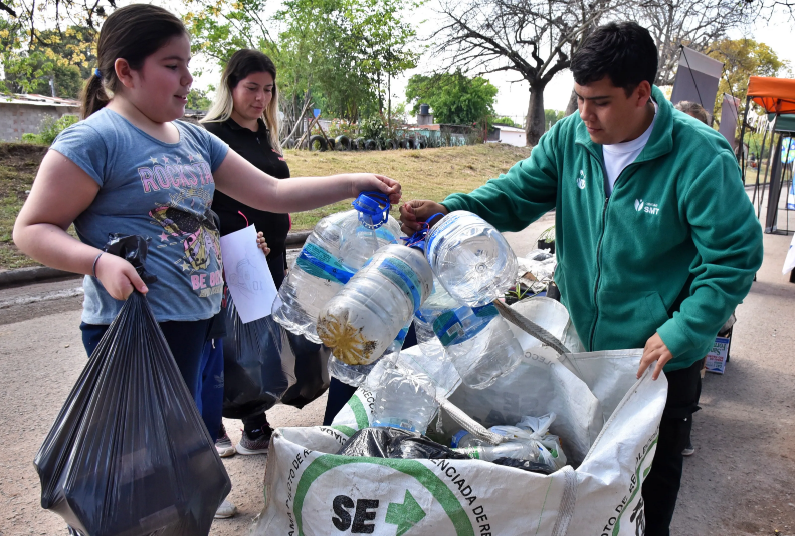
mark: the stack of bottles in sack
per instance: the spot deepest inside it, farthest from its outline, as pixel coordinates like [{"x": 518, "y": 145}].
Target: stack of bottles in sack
[{"x": 366, "y": 317}]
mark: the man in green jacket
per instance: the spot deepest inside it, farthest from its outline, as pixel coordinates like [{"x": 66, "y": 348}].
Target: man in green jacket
[{"x": 657, "y": 241}]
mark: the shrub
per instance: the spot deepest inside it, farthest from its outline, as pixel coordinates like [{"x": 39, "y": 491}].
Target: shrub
[{"x": 49, "y": 129}]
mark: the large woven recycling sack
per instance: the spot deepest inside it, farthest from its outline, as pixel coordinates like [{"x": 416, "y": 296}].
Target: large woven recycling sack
[{"x": 310, "y": 490}]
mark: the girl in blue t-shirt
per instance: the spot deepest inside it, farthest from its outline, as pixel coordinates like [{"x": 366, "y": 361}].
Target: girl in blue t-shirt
[{"x": 130, "y": 168}]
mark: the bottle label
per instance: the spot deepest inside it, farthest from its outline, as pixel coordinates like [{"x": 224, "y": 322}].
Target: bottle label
[
  {"x": 471, "y": 452},
  {"x": 457, "y": 438},
  {"x": 449, "y": 327},
  {"x": 402, "y": 275},
  {"x": 318, "y": 262},
  {"x": 438, "y": 230}
]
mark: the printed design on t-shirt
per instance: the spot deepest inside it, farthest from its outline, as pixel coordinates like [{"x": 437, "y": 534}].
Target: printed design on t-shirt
[
  {"x": 279, "y": 154},
  {"x": 163, "y": 172},
  {"x": 186, "y": 217}
]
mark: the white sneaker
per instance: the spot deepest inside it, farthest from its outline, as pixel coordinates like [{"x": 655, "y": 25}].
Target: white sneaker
[
  {"x": 224, "y": 446},
  {"x": 226, "y": 510}
]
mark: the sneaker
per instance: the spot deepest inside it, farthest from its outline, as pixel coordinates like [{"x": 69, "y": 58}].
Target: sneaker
[
  {"x": 689, "y": 450},
  {"x": 255, "y": 444},
  {"x": 226, "y": 510},
  {"x": 224, "y": 446}
]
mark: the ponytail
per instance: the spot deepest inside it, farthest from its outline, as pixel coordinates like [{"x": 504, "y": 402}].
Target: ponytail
[
  {"x": 134, "y": 33},
  {"x": 93, "y": 96}
]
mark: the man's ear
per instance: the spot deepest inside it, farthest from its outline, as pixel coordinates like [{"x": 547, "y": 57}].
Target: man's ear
[
  {"x": 124, "y": 72},
  {"x": 643, "y": 93}
]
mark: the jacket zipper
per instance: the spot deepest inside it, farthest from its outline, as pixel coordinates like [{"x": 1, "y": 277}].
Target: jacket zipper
[
  {"x": 599, "y": 252},
  {"x": 598, "y": 272}
]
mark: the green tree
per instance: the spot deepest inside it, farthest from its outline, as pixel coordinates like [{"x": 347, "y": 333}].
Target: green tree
[
  {"x": 342, "y": 51},
  {"x": 198, "y": 100},
  {"x": 552, "y": 116},
  {"x": 454, "y": 97},
  {"x": 505, "y": 120},
  {"x": 742, "y": 59}
]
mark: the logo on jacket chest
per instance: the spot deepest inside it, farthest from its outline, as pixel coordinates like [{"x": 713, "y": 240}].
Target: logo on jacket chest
[
  {"x": 581, "y": 180},
  {"x": 646, "y": 207}
]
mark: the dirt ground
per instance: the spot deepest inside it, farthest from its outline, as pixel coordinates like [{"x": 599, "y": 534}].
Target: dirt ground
[{"x": 741, "y": 479}]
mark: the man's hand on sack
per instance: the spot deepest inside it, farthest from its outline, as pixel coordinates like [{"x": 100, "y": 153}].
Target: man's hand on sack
[
  {"x": 416, "y": 211},
  {"x": 655, "y": 350},
  {"x": 261, "y": 244}
]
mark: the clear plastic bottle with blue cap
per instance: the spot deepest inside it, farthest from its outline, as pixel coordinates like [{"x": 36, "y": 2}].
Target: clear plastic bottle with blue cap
[
  {"x": 477, "y": 340},
  {"x": 366, "y": 315},
  {"x": 339, "y": 246}
]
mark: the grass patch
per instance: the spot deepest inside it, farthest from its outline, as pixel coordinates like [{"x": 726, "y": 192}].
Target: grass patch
[
  {"x": 18, "y": 165},
  {"x": 425, "y": 174}
]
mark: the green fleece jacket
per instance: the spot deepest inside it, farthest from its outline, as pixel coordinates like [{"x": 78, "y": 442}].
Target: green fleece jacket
[{"x": 673, "y": 250}]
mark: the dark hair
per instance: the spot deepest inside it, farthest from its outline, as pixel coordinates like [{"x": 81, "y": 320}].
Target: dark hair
[
  {"x": 693, "y": 110},
  {"x": 134, "y": 33},
  {"x": 243, "y": 63},
  {"x": 623, "y": 51}
]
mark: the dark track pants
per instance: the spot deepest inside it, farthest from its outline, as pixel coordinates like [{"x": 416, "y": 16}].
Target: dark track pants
[{"x": 662, "y": 484}]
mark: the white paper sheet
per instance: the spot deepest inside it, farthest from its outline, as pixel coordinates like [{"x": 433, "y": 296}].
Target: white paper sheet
[{"x": 247, "y": 274}]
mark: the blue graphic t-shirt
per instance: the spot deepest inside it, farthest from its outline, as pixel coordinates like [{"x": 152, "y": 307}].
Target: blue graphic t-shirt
[{"x": 158, "y": 190}]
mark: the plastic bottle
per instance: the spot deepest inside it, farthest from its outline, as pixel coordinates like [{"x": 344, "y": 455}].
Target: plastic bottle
[
  {"x": 405, "y": 400},
  {"x": 356, "y": 375},
  {"x": 471, "y": 259},
  {"x": 512, "y": 450},
  {"x": 478, "y": 341},
  {"x": 363, "y": 318},
  {"x": 339, "y": 246}
]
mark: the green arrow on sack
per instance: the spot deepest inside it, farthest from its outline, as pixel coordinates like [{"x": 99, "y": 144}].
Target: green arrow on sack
[{"x": 405, "y": 514}]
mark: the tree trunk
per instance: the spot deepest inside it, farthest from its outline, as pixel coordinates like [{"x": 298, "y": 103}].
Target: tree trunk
[
  {"x": 535, "y": 114},
  {"x": 572, "y": 106}
]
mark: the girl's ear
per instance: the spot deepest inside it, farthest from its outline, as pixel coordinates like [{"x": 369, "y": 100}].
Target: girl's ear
[{"x": 124, "y": 72}]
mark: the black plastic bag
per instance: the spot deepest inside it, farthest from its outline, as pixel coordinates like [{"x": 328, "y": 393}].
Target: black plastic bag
[
  {"x": 528, "y": 466},
  {"x": 259, "y": 364},
  {"x": 311, "y": 371},
  {"x": 129, "y": 453},
  {"x": 393, "y": 443}
]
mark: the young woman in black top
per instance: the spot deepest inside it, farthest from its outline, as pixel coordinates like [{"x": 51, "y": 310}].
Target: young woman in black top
[{"x": 244, "y": 115}]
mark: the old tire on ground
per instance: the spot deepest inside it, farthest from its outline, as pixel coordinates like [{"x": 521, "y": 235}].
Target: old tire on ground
[
  {"x": 411, "y": 143},
  {"x": 289, "y": 143},
  {"x": 371, "y": 145},
  {"x": 359, "y": 144},
  {"x": 391, "y": 144},
  {"x": 342, "y": 143},
  {"x": 421, "y": 143},
  {"x": 321, "y": 142}
]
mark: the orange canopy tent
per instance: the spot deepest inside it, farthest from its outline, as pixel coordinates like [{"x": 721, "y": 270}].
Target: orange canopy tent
[{"x": 775, "y": 95}]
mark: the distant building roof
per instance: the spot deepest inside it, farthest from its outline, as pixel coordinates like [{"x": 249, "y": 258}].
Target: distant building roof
[
  {"x": 505, "y": 128},
  {"x": 37, "y": 100}
]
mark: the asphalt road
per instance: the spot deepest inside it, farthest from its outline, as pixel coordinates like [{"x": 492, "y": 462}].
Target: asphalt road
[{"x": 741, "y": 479}]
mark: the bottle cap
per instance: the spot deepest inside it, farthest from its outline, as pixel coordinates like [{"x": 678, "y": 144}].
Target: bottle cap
[{"x": 373, "y": 208}]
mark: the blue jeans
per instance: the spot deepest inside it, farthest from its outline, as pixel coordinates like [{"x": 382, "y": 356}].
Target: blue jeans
[{"x": 211, "y": 398}]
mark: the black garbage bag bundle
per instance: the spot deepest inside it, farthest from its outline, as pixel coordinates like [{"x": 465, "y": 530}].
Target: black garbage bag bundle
[
  {"x": 259, "y": 364},
  {"x": 393, "y": 443},
  {"x": 128, "y": 453},
  {"x": 311, "y": 371}
]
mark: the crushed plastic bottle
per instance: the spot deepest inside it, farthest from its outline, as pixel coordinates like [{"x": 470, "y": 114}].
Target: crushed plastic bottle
[
  {"x": 367, "y": 314},
  {"x": 478, "y": 341},
  {"x": 356, "y": 375},
  {"x": 512, "y": 450},
  {"x": 339, "y": 246},
  {"x": 471, "y": 259},
  {"x": 405, "y": 400}
]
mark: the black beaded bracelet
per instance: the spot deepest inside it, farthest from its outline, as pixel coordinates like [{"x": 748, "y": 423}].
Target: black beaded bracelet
[{"x": 94, "y": 265}]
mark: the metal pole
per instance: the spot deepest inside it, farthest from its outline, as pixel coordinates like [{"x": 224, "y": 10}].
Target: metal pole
[
  {"x": 759, "y": 165},
  {"x": 741, "y": 156}
]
